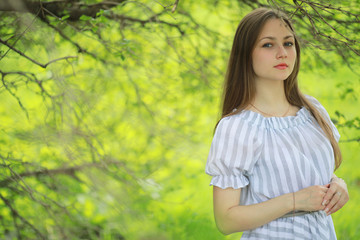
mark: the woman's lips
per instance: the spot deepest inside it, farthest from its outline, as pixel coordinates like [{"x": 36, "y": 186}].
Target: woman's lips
[{"x": 281, "y": 66}]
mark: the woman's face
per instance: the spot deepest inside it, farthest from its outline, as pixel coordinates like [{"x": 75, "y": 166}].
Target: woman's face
[{"x": 274, "y": 53}]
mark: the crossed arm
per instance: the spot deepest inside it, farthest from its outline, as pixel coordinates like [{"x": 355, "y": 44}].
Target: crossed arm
[{"x": 231, "y": 217}]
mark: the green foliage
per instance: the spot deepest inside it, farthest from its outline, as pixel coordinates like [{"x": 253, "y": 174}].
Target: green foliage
[{"x": 112, "y": 143}]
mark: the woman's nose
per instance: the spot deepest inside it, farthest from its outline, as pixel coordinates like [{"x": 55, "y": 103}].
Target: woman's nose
[{"x": 281, "y": 53}]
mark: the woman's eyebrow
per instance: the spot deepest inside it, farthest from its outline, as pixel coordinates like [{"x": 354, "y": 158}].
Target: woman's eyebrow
[{"x": 274, "y": 38}]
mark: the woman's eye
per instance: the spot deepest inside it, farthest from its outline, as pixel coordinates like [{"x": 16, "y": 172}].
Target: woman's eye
[
  {"x": 288, "y": 44},
  {"x": 267, "y": 45}
]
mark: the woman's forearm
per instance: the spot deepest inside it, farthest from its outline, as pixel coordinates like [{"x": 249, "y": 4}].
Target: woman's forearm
[{"x": 241, "y": 218}]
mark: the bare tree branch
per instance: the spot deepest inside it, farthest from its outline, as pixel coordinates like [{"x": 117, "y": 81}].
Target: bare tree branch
[
  {"x": 30, "y": 77},
  {"x": 16, "y": 213},
  {"x": 74, "y": 10},
  {"x": 175, "y": 6},
  {"x": 31, "y": 59},
  {"x": 153, "y": 19},
  {"x": 27, "y": 28},
  {"x": 14, "y": 95},
  {"x": 70, "y": 171},
  {"x": 351, "y": 140}
]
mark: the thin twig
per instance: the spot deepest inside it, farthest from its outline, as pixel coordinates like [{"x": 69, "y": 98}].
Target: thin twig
[
  {"x": 31, "y": 59},
  {"x": 14, "y": 95},
  {"x": 65, "y": 171},
  {"x": 330, "y": 24},
  {"x": 27, "y": 28},
  {"x": 175, "y": 6},
  {"x": 16, "y": 213},
  {"x": 31, "y": 78},
  {"x": 351, "y": 140}
]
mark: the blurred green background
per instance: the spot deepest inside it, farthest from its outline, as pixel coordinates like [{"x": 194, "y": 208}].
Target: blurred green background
[{"x": 107, "y": 116}]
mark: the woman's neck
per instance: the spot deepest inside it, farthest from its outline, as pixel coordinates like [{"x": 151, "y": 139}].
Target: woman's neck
[{"x": 270, "y": 97}]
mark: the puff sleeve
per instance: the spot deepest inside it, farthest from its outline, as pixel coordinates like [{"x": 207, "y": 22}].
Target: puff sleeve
[
  {"x": 325, "y": 114},
  {"x": 232, "y": 155}
]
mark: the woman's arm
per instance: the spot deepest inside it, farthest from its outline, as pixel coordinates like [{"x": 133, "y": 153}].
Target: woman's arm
[
  {"x": 231, "y": 217},
  {"x": 337, "y": 195}
]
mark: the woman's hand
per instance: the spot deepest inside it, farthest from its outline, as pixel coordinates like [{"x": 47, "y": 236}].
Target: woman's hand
[
  {"x": 336, "y": 196},
  {"x": 310, "y": 198}
]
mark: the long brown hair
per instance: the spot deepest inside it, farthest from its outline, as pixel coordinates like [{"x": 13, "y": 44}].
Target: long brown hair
[{"x": 239, "y": 84}]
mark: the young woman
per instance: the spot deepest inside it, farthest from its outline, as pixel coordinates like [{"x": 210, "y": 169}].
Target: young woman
[{"x": 274, "y": 150}]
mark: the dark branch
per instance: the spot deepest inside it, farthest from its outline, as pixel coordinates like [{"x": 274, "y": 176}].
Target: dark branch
[
  {"x": 31, "y": 59},
  {"x": 16, "y": 213},
  {"x": 351, "y": 140},
  {"x": 70, "y": 171},
  {"x": 13, "y": 94},
  {"x": 27, "y": 75},
  {"x": 153, "y": 19},
  {"x": 175, "y": 6},
  {"x": 74, "y": 10}
]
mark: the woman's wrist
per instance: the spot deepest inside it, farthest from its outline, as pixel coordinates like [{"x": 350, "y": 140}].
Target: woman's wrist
[
  {"x": 335, "y": 178},
  {"x": 291, "y": 206}
]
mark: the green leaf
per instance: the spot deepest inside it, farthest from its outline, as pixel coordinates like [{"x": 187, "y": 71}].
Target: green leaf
[
  {"x": 85, "y": 18},
  {"x": 65, "y": 17}
]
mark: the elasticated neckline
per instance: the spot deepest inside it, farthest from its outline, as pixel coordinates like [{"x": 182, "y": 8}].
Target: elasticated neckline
[{"x": 302, "y": 116}]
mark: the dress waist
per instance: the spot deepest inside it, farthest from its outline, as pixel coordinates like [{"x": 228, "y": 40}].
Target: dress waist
[{"x": 300, "y": 213}]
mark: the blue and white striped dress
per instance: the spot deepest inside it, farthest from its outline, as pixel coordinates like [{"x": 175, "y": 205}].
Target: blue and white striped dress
[{"x": 269, "y": 157}]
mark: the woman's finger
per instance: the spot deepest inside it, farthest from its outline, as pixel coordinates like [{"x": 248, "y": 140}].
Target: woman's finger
[
  {"x": 329, "y": 194},
  {"x": 336, "y": 207},
  {"x": 333, "y": 205}
]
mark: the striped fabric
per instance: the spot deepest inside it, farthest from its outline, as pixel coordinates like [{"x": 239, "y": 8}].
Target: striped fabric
[{"x": 269, "y": 157}]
